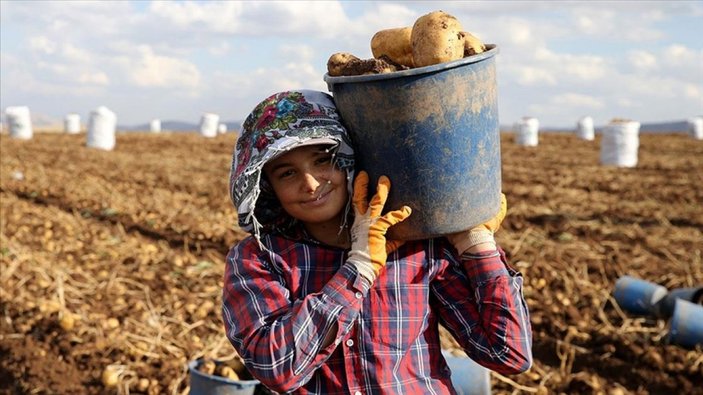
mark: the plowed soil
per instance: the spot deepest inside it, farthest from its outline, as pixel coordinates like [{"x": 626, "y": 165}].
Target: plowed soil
[{"x": 114, "y": 260}]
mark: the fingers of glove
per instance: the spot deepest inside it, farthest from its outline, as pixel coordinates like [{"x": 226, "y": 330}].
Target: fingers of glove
[
  {"x": 503, "y": 209},
  {"x": 361, "y": 191},
  {"x": 379, "y": 199},
  {"x": 381, "y": 225},
  {"x": 392, "y": 245},
  {"x": 393, "y": 217},
  {"x": 494, "y": 224}
]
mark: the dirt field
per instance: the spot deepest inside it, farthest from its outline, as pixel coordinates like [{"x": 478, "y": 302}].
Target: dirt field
[{"x": 115, "y": 259}]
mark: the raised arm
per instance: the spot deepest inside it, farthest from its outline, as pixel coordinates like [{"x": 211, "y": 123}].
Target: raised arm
[{"x": 481, "y": 296}]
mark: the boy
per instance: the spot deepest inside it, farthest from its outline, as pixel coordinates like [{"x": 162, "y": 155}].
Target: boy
[{"x": 315, "y": 306}]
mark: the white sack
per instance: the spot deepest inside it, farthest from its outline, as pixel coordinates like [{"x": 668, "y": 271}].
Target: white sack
[
  {"x": 620, "y": 144},
  {"x": 222, "y": 128},
  {"x": 101, "y": 129},
  {"x": 155, "y": 126},
  {"x": 527, "y": 132},
  {"x": 695, "y": 128},
  {"x": 72, "y": 123},
  {"x": 584, "y": 129},
  {"x": 208, "y": 124},
  {"x": 19, "y": 122}
]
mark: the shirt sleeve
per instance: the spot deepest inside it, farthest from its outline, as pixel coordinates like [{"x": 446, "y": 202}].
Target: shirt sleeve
[
  {"x": 280, "y": 340},
  {"x": 483, "y": 307}
]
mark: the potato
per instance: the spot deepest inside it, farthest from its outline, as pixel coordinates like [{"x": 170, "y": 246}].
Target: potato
[
  {"x": 110, "y": 376},
  {"x": 344, "y": 64},
  {"x": 394, "y": 43},
  {"x": 472, "y": 45},
  {"x": 337, "y": 63},
  {"x": 227, "y": 372},
  {"x": 208, "y": 367},
  {"x": 436, "y": 38}
]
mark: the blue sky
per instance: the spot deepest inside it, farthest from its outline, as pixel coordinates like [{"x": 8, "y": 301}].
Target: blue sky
[{"x": 558, "y": 60}]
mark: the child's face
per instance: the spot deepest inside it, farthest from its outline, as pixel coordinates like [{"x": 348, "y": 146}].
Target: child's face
[{"x": 309, "y": 187}]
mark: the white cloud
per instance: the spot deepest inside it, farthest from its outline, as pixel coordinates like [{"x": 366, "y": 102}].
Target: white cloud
[
  {"x": 677, "y": 54},
  {"x": 298, "y": 51},
  {"x": 541, "y": 67},
  {"x": 94, "y": 78},
  {"x": 148, "y": 69},
  {"x": 75, "y": 54},
  {"x": 585, "y": 67},
  {"x": 624, "y": 55},
  {"x": 384, "y": 16},
  {"x": 694, "y": 92},
  {"x": 214, "y": 16},
  {"x": 535, "y": 76},
  {"x": 254, "y": 18},
  {"x": 626, "y": 102},
  {"x": 578, "y": 100},
  {"x": 520, "y": 33},
  {"x": 642, "y": 60},
  {"x": 42, "y": 44},
  {"x": 220, "y": 49},
  {"x": 611, "y": 23},
  {"x": 588, "y": 24}
]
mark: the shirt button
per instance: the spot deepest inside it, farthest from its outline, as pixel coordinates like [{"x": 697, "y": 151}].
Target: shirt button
[
  {"x": 358, "y": 295},
  {"x": 349, "y": 342},
  {"x": 357, "y": 393}
]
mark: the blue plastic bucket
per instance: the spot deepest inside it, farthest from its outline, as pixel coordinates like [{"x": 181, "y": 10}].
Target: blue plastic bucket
[
  {"x": 468, "y": 377},
  {"x": 638, "y": 296},
  {"x": 686, "y": 326},
  {"x": 434, "y": 131},
  {"x": 205, "y": 384},
  {"x": 691, "y": 294}
]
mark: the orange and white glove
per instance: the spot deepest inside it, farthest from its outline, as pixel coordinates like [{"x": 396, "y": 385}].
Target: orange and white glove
[
  {"x": 481, "y": 237},
  {"x": 369, "y": 249}
]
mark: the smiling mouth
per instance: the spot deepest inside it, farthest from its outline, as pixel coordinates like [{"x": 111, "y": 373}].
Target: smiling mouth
[
  {"x": 319, "y": 197},
  {"x": 323, "y": 190}
]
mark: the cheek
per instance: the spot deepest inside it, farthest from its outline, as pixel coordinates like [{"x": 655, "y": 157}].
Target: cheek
[
  {"x": 339, "y": 177},
  {"x": 283, "y": 192}
]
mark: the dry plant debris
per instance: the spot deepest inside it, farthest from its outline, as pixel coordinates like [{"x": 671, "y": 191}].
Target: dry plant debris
[{"x": 112, "y": 262}]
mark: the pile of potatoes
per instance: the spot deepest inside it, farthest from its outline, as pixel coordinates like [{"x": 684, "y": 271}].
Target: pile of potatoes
[{"x": 435, "y": 38}]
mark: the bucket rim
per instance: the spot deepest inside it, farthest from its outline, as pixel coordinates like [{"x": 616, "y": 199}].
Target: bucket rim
[
  {"x": 193, "y": 368},
  {"x": 491, "y": 50}
]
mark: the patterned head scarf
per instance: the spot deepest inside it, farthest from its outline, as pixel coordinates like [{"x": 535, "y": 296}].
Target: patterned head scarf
[{"x": 280, "y": 123}]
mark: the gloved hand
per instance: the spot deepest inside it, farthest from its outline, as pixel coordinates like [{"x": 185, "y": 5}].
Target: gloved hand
[
  {"x": 370, "y": 248},
  {"x": 481, "y": 236}
]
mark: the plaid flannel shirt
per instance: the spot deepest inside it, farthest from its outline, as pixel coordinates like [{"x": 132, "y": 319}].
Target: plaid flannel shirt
[{"x": 279, "y": 305}]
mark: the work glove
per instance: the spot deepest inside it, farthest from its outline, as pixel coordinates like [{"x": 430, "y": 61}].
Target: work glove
[
  {"x": 370, "y": 248},
  {"x": 482, "y": 234}
]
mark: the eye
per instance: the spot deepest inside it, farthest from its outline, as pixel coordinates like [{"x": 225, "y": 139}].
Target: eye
[
  {"x": 285, "y": 174},
  {"x": 324, "y": 160}
]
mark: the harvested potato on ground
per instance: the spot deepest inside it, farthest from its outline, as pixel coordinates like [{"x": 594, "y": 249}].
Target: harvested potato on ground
[
  {"x": 394, "y": 43},
  {"x": 337, "y": 62},
  {"x": 110, "y": 376},
  {"x": 472, "y": 45},
  {"x": 436, "y": 38}
]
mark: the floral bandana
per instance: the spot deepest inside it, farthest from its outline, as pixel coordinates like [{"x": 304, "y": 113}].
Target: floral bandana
[{"x": 280, "y": 123}]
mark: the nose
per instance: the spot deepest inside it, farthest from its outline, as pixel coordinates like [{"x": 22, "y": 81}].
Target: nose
[{"x": 310, "y": 183}]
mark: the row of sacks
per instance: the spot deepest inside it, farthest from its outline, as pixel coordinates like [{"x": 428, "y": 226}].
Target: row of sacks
[
  {"x": 101, "y": 127},
  {"x": 620, "y": 143},
  {"x": 527, "y": 129}
]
